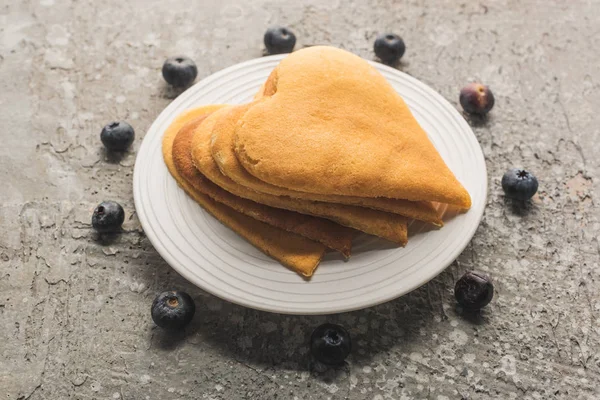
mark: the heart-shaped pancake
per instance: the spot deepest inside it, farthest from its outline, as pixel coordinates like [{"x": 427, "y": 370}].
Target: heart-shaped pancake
[
  {"x": 224, "y": 155},
  {"x": 329, "y": 123}
]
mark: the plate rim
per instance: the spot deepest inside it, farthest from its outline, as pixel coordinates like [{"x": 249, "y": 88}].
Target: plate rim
[{"x": 156, "y": 241}]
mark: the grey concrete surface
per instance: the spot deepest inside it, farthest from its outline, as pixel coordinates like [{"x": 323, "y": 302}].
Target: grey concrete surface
[{"x": 74, "y": 313}]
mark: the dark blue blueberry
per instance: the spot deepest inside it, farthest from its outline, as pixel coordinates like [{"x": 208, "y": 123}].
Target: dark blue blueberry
[
  {"x": 279, "y": 39},
  {"x": 519, "y": 184},
  {"x": 173, "y": 309},
  {"x": 117, "y": 136},
  {"x": 389, "y": 47},
  {"x": 474, "y": 290},
  {"x": 179, "y": 71},
  {"x": 108, "y": 217},
  {"x": 330, "y": 344},
  {"x": 476, "y": 98}
]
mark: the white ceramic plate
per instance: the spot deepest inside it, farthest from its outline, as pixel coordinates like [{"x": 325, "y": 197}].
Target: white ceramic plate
[{"x": 217, "y": 260}]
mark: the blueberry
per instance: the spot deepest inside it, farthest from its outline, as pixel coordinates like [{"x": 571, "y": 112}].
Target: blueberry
[
  {"x": 279, "y": 39},
  {"x": 179, "y": 71},
  {"x": 117, "y": 136},
  {"x": 476, "y": 98},
  {"x": 330, "y": 344},
  {"x": 474, "y": 290},
  {"x": 173, "y": 309},
  {"x": 108, "y": 217},
  {"x": 519, "y": 184},
  {"x": 389, "y": 47}
]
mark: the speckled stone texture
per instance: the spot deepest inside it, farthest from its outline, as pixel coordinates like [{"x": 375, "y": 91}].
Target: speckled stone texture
[{"x": 75, "y": 313}]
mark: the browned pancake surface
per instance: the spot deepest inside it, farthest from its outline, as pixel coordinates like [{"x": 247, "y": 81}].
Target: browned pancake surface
[{"x": 333, "y": 125}]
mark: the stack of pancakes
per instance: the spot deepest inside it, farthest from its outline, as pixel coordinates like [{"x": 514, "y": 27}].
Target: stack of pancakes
[{"x": 326, "y": 149}]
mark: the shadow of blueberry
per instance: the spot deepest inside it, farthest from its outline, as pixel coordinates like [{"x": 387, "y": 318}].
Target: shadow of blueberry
[
  {"x": 113, "y": 157},
  {"x": 170, "y": 339},
  {"x": 107, "y": 238},
  {"x": 399, "y": 65},
  {"x": 328, "y": 373},
  {"x": 518, "y": 207},
  {"x": 477, "y": 120},
  {"x": 166, "y": 340},
  {"x": 475, "y": 317},
  {"x": 171, "y": 92}
]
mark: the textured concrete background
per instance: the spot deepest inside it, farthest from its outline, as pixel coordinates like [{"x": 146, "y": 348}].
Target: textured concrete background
[{"x": 74, "y": 313}]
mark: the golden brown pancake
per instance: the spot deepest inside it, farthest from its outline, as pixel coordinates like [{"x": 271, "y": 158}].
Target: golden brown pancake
[
  {"x": 327, "y": 232},
  {"x": 392, "y": 227},
  {"x": 224, "y": 155},
  {"x": 333, "y": 125},
  {"x": 294, "y": 251}
]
